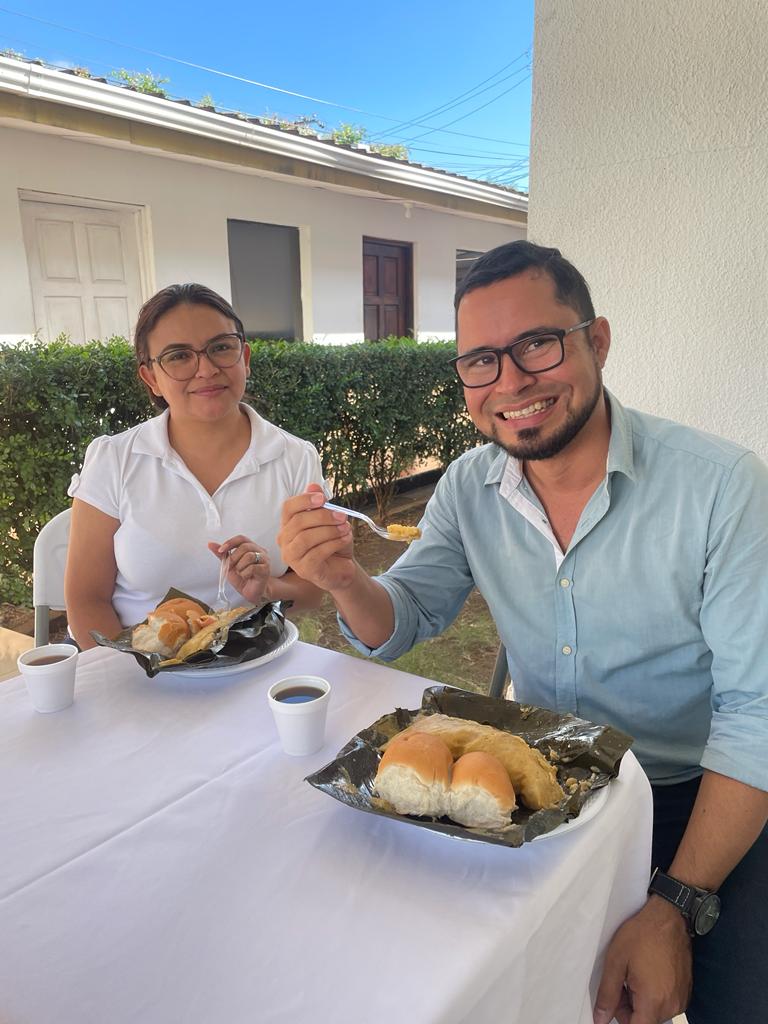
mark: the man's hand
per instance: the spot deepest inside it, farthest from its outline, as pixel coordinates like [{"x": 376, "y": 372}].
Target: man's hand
[
  {"x": 317, "y": 543},
  {"x": 647, "y": 973}
]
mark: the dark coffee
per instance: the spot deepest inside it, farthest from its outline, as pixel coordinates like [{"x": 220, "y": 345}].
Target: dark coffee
[
  {"x": 49, "y": 659},
  {"x": 299, "y": 694}
]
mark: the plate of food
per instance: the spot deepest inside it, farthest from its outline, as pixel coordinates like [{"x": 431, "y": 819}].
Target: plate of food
[
  {"x": 215, "y": 670},
  {"x": 478, "y": 768},
  {"x": 187, "y": 638}
]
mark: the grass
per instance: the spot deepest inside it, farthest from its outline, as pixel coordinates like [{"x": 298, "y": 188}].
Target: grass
[{"x": 464, "y": 655}]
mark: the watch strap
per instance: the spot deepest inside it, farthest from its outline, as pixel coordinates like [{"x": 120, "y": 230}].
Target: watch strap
[{"x": 675, "y": 892}]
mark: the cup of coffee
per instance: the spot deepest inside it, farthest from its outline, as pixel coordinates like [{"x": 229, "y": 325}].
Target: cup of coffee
[
  {"x": 49, "y": 674},
  {"x": 299, "y": 705}
]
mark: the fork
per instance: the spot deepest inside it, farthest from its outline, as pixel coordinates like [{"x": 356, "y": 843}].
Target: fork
[
  {"x": 366, "y": 519},
  {"x": 222, "y": 604}
]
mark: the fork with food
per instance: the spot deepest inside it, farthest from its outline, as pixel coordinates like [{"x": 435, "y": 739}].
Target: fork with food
[{"x": 395, "y": 531}]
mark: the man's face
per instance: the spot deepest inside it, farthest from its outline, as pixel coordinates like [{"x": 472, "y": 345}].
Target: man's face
[{"x": 532, "y": 416}]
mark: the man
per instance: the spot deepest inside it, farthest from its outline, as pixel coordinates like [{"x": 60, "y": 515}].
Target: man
[{"x": 624, "y": 560}]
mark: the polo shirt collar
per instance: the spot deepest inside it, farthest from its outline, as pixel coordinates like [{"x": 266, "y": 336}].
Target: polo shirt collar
[
  {"x": 267, "y": 440},
  {"x": 620, "y": 451}
]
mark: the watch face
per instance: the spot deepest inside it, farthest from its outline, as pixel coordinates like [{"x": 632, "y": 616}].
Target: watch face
[{"x": 707, "y": 914}]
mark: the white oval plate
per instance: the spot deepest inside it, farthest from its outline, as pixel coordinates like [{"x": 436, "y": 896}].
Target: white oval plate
[
  {"x": 590, "y": 808},
  {"x": 592, "y": 805},
  {"x": 200, "y": 675}
]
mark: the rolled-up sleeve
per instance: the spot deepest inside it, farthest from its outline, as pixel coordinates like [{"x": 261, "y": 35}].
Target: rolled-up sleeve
[
  {"x": 429, "y": 583},
  {"x": 734, "y": 622}
]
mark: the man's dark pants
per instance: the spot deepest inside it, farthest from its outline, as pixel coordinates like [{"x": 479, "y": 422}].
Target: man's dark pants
[{"x": 730, "y": 965}]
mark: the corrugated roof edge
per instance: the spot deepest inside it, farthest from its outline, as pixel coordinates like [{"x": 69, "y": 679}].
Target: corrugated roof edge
[{"x": 263, "y": 123}]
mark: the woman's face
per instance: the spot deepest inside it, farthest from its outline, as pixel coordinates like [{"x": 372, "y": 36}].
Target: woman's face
[{"x": 212, "y": 392}]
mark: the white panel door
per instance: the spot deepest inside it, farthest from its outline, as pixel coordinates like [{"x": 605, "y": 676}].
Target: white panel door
[{"x": 84, "y": 269}]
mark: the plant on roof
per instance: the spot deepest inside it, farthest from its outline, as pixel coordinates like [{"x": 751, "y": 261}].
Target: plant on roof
[
  {"x": 305, "y": 124},
  {"x": 142, "y": 81},
  {"x": 395, "y": 149},
  {"x": 206, "y": 102},
  {"x": 353, "y": 135},
  {"x": 348, "y": 134}
]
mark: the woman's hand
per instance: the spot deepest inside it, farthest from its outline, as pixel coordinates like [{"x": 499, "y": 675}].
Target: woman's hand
[{"x": 249, "y": 569}]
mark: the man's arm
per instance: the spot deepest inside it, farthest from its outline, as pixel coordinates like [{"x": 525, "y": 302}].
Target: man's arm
[{"x": 651, "y": 952}]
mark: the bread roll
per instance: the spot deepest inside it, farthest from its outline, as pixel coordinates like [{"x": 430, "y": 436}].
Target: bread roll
[
  {"x": 182, "y": 606},
  {"x": 531, "y": 775},
  {"x": 481, "y": 795},
  {"x": 414, "y": 775},
  {"x": 161, "y": 634}
]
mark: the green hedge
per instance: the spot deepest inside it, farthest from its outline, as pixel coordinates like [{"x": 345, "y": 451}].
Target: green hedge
[{"x": 372, "y": 410}]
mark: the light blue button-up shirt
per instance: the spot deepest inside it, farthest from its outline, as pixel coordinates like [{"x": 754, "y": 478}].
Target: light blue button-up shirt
[{"x": 654, "y": 620}]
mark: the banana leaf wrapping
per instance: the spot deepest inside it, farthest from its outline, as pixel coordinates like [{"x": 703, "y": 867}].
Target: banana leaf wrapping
[
  {"x": 255, "y": 632},
  {"x": 580, "y": 750}
]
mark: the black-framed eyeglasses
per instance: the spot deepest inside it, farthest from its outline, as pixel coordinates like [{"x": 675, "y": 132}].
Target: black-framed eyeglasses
[
  {"x": 182, "y": 362},
  {"x": 534, "y": 354}
]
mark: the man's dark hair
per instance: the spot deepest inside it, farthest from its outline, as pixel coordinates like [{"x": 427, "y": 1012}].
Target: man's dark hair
[
  {"x": 163, "y": 302},
  {"x": 514, "y": 258}
]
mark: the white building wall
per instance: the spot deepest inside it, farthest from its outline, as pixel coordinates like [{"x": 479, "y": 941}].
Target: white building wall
[
  {"x": 649, "y": 168},
  {"x": 187, "y": 206}
]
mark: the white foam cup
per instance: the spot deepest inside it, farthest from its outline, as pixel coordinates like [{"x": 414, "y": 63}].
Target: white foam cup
[
  {"x": 51, "y": 686},
  {"x": 300, "y": 725}
]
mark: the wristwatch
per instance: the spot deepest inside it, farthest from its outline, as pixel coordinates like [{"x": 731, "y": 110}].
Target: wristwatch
[{"x": 699, "y": 907}]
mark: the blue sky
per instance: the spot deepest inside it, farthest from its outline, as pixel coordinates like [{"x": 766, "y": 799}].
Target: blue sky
[{"x": 395, "y": 64}]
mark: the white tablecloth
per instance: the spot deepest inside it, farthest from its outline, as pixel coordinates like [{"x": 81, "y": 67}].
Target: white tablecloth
[{"x": 162, "y": 861}]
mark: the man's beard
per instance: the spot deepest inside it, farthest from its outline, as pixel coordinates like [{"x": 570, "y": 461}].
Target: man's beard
[{"x": 530, "y": 446}]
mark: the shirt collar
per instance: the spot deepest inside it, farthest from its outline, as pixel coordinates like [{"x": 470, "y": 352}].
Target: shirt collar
[
  {"x": 267, "y": 440},
  {"x": 621, "y": 457}
]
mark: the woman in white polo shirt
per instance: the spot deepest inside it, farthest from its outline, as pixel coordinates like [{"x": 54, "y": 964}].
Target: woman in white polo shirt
[{"x": 207, "y": 473}]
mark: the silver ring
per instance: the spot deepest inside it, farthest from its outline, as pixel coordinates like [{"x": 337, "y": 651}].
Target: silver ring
[{"x": 258, "y": 557}]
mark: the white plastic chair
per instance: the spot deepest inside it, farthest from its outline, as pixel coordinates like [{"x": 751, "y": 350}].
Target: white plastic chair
[{"x": 49, "y": 560}]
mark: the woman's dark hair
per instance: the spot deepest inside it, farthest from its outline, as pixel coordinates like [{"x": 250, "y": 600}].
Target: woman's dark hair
[
  {"x": 514, "y": 258},
  {"x": 164, "y": 301}
]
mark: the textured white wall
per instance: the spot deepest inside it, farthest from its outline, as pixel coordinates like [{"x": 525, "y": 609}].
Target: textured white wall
[
  {"x": 188, "y": 206},
  {"x": 649, "y": 170}
]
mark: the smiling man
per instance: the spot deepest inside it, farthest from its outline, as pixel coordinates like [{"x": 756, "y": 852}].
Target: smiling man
[{"x": 623, "y": 558}]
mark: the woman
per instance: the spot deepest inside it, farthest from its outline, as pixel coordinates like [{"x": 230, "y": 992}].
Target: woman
[{"x": 208, "y": 471}]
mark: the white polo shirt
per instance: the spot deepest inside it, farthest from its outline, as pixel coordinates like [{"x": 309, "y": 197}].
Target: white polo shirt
[{"x": 167, "y": 517}]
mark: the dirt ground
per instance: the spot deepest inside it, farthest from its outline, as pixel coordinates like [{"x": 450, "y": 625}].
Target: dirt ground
[{"x": 465, "y": 655}]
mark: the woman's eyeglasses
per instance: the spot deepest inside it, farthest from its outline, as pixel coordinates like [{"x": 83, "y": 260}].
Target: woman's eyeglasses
[{"x": 182, "y": 363}]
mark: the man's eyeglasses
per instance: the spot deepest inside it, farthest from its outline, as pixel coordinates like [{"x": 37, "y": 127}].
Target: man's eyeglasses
[
  {"x": 182, "y": 363},
  {"x": 534, "y": 354}
]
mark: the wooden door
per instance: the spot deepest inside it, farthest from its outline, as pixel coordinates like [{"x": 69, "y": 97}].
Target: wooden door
[
  {"x": 83, "y": 268},
  {"x": 387, "y": 289}
]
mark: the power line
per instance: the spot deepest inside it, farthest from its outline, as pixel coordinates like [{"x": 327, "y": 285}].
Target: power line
[
  {"x": 471, "y": 112},
  {"x": 229, "y": 75},
  {"x": 456, "y": 99},
  {"x": 482, "y": 154}
]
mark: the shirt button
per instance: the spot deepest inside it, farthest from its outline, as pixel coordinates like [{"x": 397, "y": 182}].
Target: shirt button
[
  {"x": 565, "y": 583},
  {"x": 567, "y": 649}
]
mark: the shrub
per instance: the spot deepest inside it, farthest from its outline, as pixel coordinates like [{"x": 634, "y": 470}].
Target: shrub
[
  {"x": 53, "y": 400},
  {"x": 372, "y": 410}
]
